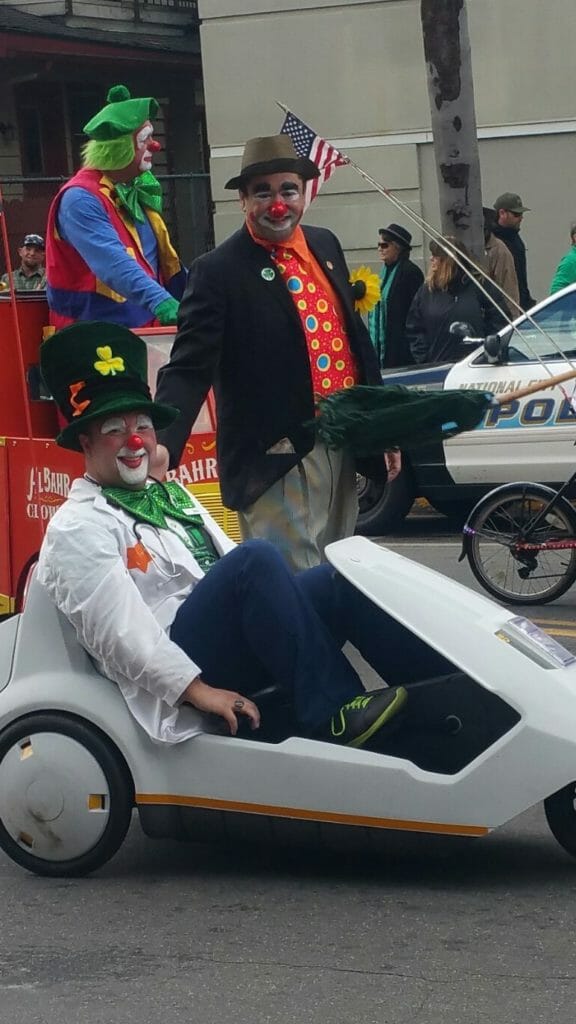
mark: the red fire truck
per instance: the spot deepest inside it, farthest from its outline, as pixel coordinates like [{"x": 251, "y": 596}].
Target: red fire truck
[{"x": 35, "y": 474}]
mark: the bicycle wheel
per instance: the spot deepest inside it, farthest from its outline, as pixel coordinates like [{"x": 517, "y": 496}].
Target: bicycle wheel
[{"x": 508, "y": 572}]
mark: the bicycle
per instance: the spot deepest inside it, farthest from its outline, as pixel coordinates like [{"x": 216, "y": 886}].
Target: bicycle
[{"x": 520, "y": 542}]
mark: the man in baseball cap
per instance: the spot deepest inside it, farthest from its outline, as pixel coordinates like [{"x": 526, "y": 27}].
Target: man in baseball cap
[
  {"x": 30, "y": 276},
  {"x": 511, "y": 202},
  {"x": 509, "y": 213}
]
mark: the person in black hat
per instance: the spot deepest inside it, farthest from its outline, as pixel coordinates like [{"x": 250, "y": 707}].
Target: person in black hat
[
  {"x": 30, "y": 276},
  {"x": 400, "y": 279},
  {"x": 167, "y": 605},
  {"x": 268, "y": 318}
]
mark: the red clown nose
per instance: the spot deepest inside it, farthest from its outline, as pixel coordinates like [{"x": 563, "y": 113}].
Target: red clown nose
[
  {"x": 135, "y": 442},
  {"x": 278, "y": 210},
  {"x": 153, "y": 146}
]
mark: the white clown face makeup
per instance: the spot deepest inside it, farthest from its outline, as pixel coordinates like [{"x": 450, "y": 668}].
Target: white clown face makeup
[
  {"x": 118, "y": 450},
  {"x": 145, "y": 145},
  {"x": 274, "y": 205}
]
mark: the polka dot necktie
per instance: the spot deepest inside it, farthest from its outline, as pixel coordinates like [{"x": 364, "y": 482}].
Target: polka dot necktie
[{"x": 331, "y": 360}]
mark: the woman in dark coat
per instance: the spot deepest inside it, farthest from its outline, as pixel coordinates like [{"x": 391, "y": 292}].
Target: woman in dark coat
[
  {"x": 400, "y": 279},
  {"x": 448, "y": 295}
]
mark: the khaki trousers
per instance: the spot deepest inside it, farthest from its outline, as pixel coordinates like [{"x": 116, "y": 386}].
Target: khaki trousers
[{"x": 314, "y": 504}]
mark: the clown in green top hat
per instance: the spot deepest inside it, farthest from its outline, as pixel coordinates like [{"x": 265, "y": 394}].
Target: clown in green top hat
[
  {"x": 94, "y": 370},
  {"x": 108, "y": 252}
]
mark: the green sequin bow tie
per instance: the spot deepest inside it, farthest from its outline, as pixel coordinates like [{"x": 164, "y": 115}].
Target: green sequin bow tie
[
  {"x": 157, "y": 502},
  {"x": 145, "y": 190}
]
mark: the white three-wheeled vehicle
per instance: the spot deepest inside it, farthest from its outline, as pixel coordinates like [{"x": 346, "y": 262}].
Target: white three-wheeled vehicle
[{"x": 501, "y": 736}]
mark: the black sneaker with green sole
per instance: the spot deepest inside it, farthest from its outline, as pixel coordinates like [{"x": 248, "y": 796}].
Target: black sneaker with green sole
[{"x": 361, "y": 718}]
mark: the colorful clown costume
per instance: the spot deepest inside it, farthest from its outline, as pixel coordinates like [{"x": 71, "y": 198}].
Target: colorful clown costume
[{"x": 108, "y": 254}]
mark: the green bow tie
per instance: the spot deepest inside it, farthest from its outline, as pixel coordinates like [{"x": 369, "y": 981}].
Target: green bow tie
[
  {"x": 157, "y": 502},
  {"x": 145, "y": 190}
]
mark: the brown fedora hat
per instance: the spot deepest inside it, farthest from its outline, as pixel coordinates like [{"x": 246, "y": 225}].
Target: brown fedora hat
[{"x": 270, "y": 154}]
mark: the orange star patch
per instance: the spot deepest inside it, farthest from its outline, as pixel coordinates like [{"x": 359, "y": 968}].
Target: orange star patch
[{"x": 138, "y": 557}]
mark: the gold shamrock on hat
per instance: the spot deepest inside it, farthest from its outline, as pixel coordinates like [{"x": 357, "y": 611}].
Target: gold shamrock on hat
[{"x": 107, "y": 363}]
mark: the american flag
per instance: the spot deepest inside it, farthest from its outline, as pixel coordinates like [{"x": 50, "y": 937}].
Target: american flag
[{"x": 307, "y": 143}]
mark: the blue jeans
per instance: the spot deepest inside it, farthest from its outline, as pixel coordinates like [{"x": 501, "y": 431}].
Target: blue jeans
[{"x": 250, "y": 623}]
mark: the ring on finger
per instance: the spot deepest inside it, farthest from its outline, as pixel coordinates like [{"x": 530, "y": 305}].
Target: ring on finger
[{"x": 239, "y": 704}]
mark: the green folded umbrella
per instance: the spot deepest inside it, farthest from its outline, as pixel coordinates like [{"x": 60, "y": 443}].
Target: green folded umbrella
[{"x": 369, "y": 420}]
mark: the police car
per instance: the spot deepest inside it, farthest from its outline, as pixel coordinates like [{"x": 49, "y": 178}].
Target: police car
[{"x": 527, "y": 439}]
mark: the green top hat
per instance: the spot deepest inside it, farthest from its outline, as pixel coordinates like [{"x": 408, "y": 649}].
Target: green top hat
[
  {"x": 95, "y": 369},
  {"x": 121, "y": 116}
]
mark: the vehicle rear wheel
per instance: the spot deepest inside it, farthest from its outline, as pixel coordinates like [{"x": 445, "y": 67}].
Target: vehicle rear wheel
[
  {"x": 560, "y": 810},
  {"x": 66, "y": 795},
  {"x": 382, "y": 505},
  {"x": 495, "y": 527}
]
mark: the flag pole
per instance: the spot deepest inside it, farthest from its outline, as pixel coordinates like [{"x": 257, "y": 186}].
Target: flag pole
[
  {"x": 531, "y": 389},
  {"x": 457, "y": 256},
  {"x": 430, "y": 231}
]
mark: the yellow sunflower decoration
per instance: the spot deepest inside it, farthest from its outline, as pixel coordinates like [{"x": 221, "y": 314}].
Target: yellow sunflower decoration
[{"x": 366, "y": 287}]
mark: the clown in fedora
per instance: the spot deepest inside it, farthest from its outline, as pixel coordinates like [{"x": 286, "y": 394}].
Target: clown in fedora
[
  {"x": 268, "y": 318},
  {"x": 108, "y": 252}
]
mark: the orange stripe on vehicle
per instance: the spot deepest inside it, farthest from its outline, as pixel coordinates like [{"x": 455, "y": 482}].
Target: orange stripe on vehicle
[{"x": 208, "y": 803}]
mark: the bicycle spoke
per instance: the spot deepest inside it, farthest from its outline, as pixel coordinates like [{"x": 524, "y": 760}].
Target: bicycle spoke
[{"x": 506, "y": 552}]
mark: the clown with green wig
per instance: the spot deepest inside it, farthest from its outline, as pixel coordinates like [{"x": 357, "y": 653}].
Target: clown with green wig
[{"x": 108, "y": 252}]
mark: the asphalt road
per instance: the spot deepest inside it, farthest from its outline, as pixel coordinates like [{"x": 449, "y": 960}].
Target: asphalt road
[{"x": 430, "y": 931}]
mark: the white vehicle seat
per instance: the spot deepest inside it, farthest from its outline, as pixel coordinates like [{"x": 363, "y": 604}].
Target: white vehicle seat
[{"x": 47, "y": 640}]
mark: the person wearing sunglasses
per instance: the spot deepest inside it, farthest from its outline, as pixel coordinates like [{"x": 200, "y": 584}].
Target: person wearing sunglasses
[{"x": 400, "y": 279}]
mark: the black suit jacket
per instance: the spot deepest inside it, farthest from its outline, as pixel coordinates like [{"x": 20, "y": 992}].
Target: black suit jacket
[
  {"x": 407, "y": 280},
  {"x": 240, "y": 331}
]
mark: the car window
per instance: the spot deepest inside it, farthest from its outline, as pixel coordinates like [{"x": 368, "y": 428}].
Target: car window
[{"x": 558, "y": 320}]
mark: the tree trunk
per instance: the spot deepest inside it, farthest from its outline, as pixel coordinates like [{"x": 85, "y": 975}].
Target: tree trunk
[{"x": 451, "y": 93}]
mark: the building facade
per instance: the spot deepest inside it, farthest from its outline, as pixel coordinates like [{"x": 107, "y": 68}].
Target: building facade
[
  {"x": 354, "y": 70},
  {"x": 58, "y": 61}
]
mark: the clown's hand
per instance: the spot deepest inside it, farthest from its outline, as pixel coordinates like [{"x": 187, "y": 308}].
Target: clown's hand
[
  {"x": 167, "y": 312},
  {"x": 393, "y": 462}
]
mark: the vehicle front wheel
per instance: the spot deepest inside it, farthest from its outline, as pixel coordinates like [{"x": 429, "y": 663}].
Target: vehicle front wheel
[
  {"x": 383, "y": 506},
  {"x": 560, "y": 809},
  {"x": 66, "y": 795}
]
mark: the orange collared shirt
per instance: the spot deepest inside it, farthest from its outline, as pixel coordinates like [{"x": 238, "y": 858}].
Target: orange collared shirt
[{"x": 298, "y": 243}]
